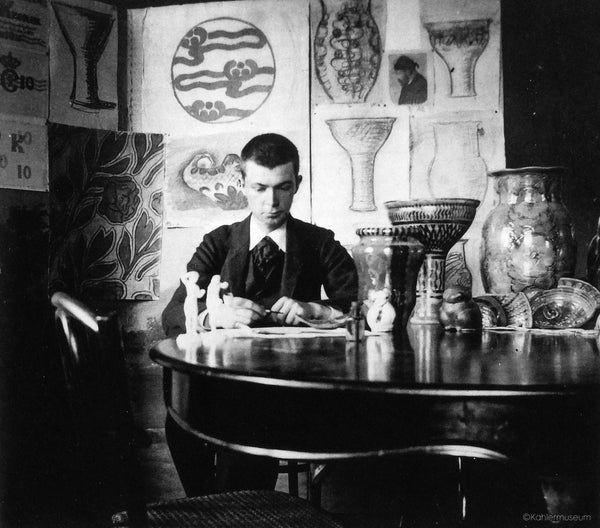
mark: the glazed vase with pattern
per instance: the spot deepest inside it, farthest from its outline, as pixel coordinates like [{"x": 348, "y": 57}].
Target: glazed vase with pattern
[
  {"x": 457, "y": 169},
  {"x": 362, "y": 138},
  {"x": 457, "y": 273},
  {"x": 593, "y": 259},
  {"x": 438, "y": 225},
  {"x": 388, "y": 262},
  {"x": 460, "y": 44},
  {"x": 527, "y": 240},
  {"x": 347, "y": 50}
]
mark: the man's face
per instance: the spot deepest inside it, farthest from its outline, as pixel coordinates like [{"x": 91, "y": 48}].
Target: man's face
[
  {"x": 402, "y": 76},
  {"x": 270, "y": 192}
]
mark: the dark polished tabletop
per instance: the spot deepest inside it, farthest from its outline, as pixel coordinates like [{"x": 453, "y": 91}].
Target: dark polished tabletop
[
  {"x": 497, "y": 394},
  {"x": 424, "y": 359}
]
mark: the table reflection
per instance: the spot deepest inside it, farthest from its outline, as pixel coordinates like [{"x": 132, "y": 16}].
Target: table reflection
[{"x": 422, "y": 355}]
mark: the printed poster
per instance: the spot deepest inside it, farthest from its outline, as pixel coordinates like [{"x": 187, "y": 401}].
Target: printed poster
[
  {"x": 106, "y": 213},
  {"x": 23, "y": 156}
]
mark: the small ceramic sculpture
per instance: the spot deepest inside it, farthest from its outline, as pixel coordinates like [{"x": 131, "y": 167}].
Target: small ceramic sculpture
[
  {"x": 190, "y": 305},
  {"x": 381, "y": 313},
  {"x": 459, "y": 311}
]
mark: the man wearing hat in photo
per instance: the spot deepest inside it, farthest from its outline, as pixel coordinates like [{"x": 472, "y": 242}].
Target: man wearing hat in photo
[{"x": 414, "y": 85}]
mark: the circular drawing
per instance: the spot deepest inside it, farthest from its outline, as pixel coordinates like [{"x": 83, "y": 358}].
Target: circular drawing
[{"x": 223, "y": 70}]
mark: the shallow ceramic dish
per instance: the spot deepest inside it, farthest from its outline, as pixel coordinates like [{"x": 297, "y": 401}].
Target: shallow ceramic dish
[
  {"x": 563, "y": 307},
  {"x": 585, "y": 287},
  {"x": 516, "y": 308},
  {"x": 325, "y": 324},
  {"x": 492, "y": 313}
]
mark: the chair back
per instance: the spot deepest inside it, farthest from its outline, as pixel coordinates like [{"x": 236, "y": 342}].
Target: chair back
[{"x": 93, "y": 362}]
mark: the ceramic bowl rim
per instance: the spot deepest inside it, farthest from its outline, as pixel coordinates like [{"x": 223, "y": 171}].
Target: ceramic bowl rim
[
  {"x": 534, "y": 169},
  {"x": 547, "y": 295},
  {"x": 431, "y": 201}
]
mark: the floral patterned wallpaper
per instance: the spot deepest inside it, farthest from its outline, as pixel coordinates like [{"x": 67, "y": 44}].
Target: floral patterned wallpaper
[{"x": 105, "y": 212}]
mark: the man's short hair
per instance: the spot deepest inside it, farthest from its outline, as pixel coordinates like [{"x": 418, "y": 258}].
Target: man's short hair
[
  {"x": 405, "y": 63},
  {"x": 270, "y": 151}
]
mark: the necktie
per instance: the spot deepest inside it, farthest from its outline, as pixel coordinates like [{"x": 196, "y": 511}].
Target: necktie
[
  {"x": 265, "y": 275},
  {"x": 263, "y": 257}
]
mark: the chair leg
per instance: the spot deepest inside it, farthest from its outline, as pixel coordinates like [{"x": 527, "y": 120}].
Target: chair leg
[
  {"x": 292, "y": 470},
  {"x": 315, "y": 476}
]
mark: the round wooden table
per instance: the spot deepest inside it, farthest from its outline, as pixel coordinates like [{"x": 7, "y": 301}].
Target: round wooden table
[{"x": 529, "y": 397}]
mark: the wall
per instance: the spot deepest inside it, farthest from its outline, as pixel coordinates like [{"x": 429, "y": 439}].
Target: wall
[
  {"x": 551, "y": 85},
  {"x": 551, "y": 116},
  {"x": 401, "y": 165}
]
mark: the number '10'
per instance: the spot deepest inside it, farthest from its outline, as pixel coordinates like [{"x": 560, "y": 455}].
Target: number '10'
[{"x": 23, "y": 172}]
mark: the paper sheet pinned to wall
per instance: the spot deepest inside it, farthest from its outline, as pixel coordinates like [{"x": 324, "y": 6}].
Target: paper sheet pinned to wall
[
  {"x": 24, "y": 83},
  {"x": 23, "y": 156},
  {"x": 24, "y": 24},
  {"x": 219, "y": 67},
  {"x": 106, "y": 204},
  {"x": 83, "y": 63}
]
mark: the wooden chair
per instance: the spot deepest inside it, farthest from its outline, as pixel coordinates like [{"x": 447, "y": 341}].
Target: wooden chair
[{"x": 95, "y": 372}]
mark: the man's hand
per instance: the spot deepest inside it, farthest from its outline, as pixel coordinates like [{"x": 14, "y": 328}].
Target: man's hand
[
  {"x": 289, "y": 308},
  {"x": 229, "y": 312}
]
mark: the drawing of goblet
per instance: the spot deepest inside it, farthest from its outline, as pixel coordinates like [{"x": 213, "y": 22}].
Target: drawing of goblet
[
  {"x": 361, "y": 138},
  {"x": 438, "y": 224},
  {"x": 460, "y": 44},
  {"x": 86, "y": 33}
]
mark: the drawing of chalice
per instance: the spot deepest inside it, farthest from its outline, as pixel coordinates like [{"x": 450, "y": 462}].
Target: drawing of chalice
[{"x": 86, "y": 33}]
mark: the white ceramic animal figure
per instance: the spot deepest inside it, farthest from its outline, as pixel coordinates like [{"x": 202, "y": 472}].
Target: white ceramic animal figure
[
  {"x": 190, "y": 305},
  {"x": 381, "y": 313}
]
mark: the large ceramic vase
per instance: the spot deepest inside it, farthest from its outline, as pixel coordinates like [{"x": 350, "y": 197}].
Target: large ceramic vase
[
  {"x": 460, "y": 44},
  {"x": 457, "y": 169},
  {"x": 347, "y": 50},
  {"x": 86, "y": 32},
  {"x": 528, "y": 238},
  {"x": 438, "y": 225},
  {"x": 593, "y": 259},
  {"x": 388, "y": 261},
  {"x": 361, "y": 138},
  {"x": 457, "y": 274}
]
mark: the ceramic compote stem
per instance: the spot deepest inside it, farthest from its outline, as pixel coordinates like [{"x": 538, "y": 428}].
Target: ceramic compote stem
[
  {"x": 438, "y": 225},
  {"x": 527, "y": 240}
]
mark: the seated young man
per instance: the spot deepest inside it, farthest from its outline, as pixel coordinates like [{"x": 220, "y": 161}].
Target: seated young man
[{"x": 270, "y": 261}]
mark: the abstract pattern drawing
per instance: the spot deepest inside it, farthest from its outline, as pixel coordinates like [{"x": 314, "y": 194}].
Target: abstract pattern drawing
[
  {"x": 223, "y": 184},
  {"x": 347, "y": 50},
  {"x": 106, "y": 212},
  {"x": 86, "y": 33},
  {"x": 223, "y": 70}
]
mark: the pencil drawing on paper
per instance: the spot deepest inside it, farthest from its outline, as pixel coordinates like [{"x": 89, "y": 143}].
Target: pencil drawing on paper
[{"x": 223, "y": 70}]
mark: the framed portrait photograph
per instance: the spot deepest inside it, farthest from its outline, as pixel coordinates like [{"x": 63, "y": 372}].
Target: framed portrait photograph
[{"x": 410, "y": 81}]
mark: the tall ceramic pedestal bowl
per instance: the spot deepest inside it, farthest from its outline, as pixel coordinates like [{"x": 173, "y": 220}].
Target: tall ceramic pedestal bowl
[{"x": 438, "y": 224}]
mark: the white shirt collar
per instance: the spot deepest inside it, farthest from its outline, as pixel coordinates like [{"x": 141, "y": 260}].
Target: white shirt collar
[{"x": 258, "y": 232}]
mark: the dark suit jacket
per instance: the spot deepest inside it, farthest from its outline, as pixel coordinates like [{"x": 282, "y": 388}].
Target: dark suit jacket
[
  {"x": 313, "y": 259},
  {"x": 415, "y": 92}
]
